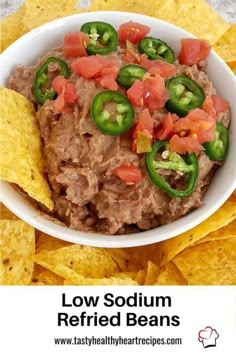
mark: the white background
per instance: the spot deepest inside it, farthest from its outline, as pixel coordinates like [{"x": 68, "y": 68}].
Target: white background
[{"x": 28, "y": 319}]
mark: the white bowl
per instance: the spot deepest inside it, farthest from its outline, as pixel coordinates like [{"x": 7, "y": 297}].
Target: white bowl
[{"x": 34, "y": 44}]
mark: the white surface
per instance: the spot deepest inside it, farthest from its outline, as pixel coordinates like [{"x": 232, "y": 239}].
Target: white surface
[
  {"x": 224, "y": 181},
  {"x": 226, "y": 8}
]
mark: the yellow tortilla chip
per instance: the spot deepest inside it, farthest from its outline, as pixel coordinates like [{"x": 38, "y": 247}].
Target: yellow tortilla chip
[
  {"x": 152, "y": 273},
  {"x": 47, "y": 277},
  {"x": 6, "y": 214},
  {"x": 12, "y": 28},
  {"x": 141, "y": 276},
  {"x": 134, "y": 258},
  {"x": 195, "y": 16},
  {"x": 220, "y": 234},
  {"x": 113, "y": 281},
  {"x": 21, "y": 161},
  {"x": 170, "y": 275},
  {"x": 16, "y": 252},
  {"x": 232, "y": 65},
  {"x": 226, "y": 45},
  {"x": 170, "y": 248},
  {"x": 47, "y": 243},
  {"x": 87, "y": 261},
  {"x": 210, "y": 263},
  {"x": 38, "y": 12},
  {"x": 139, "y": 6}
]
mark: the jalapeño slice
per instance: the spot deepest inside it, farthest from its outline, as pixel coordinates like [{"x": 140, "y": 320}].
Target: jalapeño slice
[
  {"x": 103, "y": 37},
  {"x": 185, "y": 95},
  {"x": 118, "y": 119},
  {"x": 154, "y": 48}
]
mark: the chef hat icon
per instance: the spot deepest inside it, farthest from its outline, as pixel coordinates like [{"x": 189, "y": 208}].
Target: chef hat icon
[{"x": 208, "y": 337}]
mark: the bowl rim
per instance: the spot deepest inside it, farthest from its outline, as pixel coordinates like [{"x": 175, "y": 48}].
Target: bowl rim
[{"x": 95, "y": 239}]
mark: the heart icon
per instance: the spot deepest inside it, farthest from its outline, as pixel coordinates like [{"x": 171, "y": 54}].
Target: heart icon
[{"x": 205, "y": 333}]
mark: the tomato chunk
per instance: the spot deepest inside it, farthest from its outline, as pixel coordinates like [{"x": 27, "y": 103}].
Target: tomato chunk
[
  {"x": 155, "y": 94},
  {"x": 167, "y": 129},
  {"x": 145, "y": 126},
  {"x": 96, "y": 67},
  {"x": 215, "y": 104},
  {"x": 185, "y": 144},
  {"x": 193, "y": 50},
  {"x": 197, "y": 124},
  {"x": 129, "y": 173},
  {"x": 66, "y": 93},
  {"x": 74, "y": 44},
  {"x": 165, "y": 69},
  {"x": 135, "y": 93},
  {"x": 132, "y": 31}
]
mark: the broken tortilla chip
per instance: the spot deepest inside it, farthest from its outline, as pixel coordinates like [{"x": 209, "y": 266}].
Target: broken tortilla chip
[
  {"x": 16, "y": 252},
  {"x": 139, "y": 6},
  {"x": 12, "y": 28},
  {"x": 170, "y": 275},
  {"x": 87, "y": 261},
  {"x": 210, "y": 263},
  {"x": 6, "y": 214},
  {"x": 38, "y": 13},
  {"x": 197, "y": 17},
  {"x": 21, "y": 161},
  {"x": 226, "y": 45},
  {"x": 169, "y": 248},
  {"x": 103, "y": 281}
]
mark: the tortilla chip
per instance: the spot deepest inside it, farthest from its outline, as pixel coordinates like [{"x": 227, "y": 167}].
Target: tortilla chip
[
  {"x": 124, "y": 275},
  {"x": 12, "y": 28},
  {"x": 226, "y": 45},
  {"x": 139, "y": 6},
  {"x": 87, "y": 261},
  {"x": 232, "y": 65},
  {"x": 47, "y": 277},
  {"x": 6, "y": 214},
  {"x": 134, "y": 258},
  {"x": 113, "y": 281},
  {"x": 170, "y": 275},
  {"x": 152, "y": 273},
  {"x": 141, "y": 276},
  {"x": 38, "y": 12},
  {"x": 47, "y": 243},
  {"x": 170, "y": 248},
  {"x": 16, "y": 252},
  {"x": 220, "y": 234},
  {"x": 21, "y": 161},
  {"x": 197, "y": 17},
  {"x": 210, "y": 263}
]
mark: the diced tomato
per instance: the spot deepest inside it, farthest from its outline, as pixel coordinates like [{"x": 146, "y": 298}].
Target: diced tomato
[
  {"x": 155, "y": 94},
  {"x": 135, "y": 93},
  {"x": 108, "y": 82},
  {"x": 167, "y": 129},
  {"x": 131, "y": 57},
  {"x": 208, "y": 106},
  {"x": 60, "y": 104},
  {"x": 146, "y": 120},
  {"x": 165, "y": 69},
  {"x": 184, "y": 145},
  {"x": 96, "y": 67},
  {"x": 74, "y": 44},
  {"x": 145, "y": 125},
  {"x": 66, "y": 93},
  {"x": 150, "y": 92},
  {"x": 193, "y": 50},
  {"x": 88, "y": 67},
  {"x": 129, "y": 173},
  {"x": 132, "y": 31},
  {"x": 58, "y": 83},
  {"x": 197, "y": 124},
  {"x": 220, "y": 104},
  {"x": 215, "y": 104}
]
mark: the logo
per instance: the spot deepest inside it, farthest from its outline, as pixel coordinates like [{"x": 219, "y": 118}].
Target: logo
[{"x": 208, "y": 337}]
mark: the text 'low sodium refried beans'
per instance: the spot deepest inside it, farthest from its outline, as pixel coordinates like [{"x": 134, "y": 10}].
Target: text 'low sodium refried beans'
[{"x": 132, "y": 132}]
